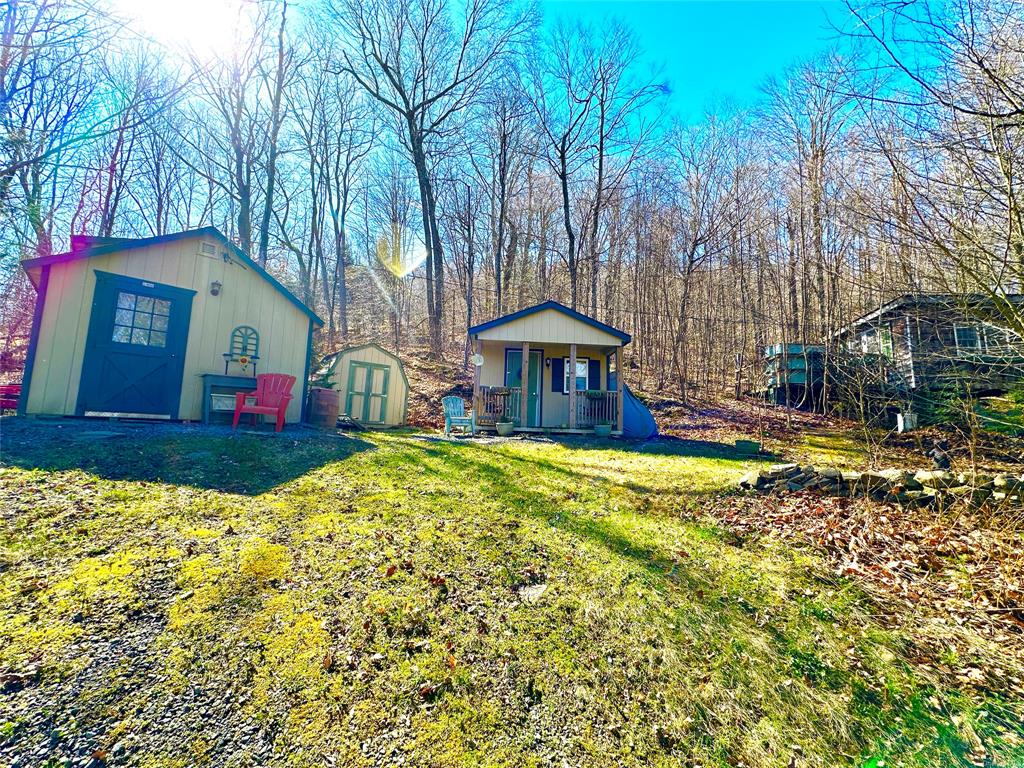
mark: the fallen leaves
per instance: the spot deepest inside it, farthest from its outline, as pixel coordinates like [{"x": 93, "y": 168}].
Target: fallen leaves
[{"x": 965, "y": 570}]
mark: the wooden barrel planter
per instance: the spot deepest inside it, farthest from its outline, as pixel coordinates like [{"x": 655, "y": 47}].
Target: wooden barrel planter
[{"x": 324, "y": 406}]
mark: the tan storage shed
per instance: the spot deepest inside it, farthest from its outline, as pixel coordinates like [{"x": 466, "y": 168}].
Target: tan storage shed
[
  {"x": 153, "y": 327},
  {"x": 372, "y": 382}
]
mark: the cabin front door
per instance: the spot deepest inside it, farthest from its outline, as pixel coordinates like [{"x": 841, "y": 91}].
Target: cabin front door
[
  {"x": 367, "y": 398},
  {"x": 514, "y": 378},
  {"x": 135, "y": 349}
]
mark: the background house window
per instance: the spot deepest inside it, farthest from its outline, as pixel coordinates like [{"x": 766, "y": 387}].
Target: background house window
[
  {"x": 869, "y": 342},
  {"x": 885, "y": 342},
  {"x": 966, "y": 337},
  {"x": 141, "y": 320},
  {"x": 582, "y": 378}
]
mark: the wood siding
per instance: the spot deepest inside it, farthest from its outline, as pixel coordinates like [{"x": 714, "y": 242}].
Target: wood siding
[
  {"x": 246, "y": 298},
  {"x": 549, "y": 327}
]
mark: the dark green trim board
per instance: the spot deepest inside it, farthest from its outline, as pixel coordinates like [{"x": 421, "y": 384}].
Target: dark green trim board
[
  {"x": 33, "y": 339},
  {"x": 621, "y": 335},
  {"x": 104, "y": 246},
  {"x": 309, "y": 371}
]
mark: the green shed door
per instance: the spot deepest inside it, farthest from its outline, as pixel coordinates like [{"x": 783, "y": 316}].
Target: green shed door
[
  {"x": 367, "y": 397},
  {"x": 135, "y": 349}
]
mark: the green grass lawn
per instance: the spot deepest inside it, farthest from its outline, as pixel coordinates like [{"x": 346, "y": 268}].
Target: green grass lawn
[{"x": 186, "y": 599}]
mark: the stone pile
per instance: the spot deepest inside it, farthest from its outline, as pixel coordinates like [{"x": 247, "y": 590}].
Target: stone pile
[{"x": 898, "y": 485}]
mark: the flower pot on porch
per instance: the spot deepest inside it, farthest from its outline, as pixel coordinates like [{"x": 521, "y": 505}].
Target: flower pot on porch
[
  {"x": 504, "y": 428},
  {"x": 603, "y": 430}
]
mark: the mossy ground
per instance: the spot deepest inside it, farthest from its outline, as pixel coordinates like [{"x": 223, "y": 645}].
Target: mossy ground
[{"x": 364, "y": 602}]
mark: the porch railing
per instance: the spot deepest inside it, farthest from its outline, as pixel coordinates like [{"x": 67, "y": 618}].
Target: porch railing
[
  {"x": 596, "y": 407},
  {"x": 494, "y": 404}
]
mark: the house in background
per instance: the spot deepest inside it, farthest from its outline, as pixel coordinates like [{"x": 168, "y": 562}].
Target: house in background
[
  {"x": 163, "y": 327},
  {"x": 566, "y": 361},
  {"x": 926, "y": 341}
]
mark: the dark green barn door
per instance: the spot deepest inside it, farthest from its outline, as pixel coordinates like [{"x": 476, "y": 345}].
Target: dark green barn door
[{"x": 135, "y": 349}]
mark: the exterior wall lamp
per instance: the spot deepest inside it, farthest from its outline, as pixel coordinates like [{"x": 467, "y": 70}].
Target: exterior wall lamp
[{"x": 215, "y": 287}]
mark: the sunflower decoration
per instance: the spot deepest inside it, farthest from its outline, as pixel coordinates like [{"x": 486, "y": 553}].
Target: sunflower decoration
[{"x": 243, "y": 361}]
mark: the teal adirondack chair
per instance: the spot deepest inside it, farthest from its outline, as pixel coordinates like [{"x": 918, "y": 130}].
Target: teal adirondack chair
[{"x": 455, "y": 415}]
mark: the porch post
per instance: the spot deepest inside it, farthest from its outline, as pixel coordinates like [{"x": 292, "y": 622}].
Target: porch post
[
  {"x": 620, "y": 403},
  {"x": 524, "y": 390},
  {"x": 572, "y": 386},
  {"x": 477, "y": 345}
]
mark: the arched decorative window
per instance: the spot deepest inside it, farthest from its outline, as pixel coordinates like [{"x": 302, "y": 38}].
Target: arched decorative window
[
  {"x": 244, "y": 348},
  {"x": 245, "y": 341}
]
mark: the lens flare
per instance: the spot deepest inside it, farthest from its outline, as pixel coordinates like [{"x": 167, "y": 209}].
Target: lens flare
[{"x": 400, "y": 253}]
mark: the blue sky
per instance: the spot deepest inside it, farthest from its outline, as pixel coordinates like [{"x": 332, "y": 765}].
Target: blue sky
[{"x": 716, "y": 51}]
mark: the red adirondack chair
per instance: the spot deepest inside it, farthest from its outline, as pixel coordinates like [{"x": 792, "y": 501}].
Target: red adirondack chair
[
  {"x": 273, "y": 393},
  {"x": 9, "y": 394}
]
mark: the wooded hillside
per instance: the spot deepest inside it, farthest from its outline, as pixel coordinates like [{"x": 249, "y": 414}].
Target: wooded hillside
[{"x": 410, "y": 167}]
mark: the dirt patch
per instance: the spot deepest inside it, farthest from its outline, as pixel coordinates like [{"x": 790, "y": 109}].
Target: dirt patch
[{"x": 429, "y": 381}]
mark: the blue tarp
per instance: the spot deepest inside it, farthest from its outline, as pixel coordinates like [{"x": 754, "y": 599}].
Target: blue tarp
[{"x": 637, "y": 421}]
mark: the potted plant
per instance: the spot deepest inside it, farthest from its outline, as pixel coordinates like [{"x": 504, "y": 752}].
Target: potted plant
[
  {"x": 603, "y": 428},
  {"x": 504, "y": 428}
]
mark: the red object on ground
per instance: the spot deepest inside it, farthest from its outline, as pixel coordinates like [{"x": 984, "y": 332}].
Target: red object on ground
[
  {"x": 9, "y": 395},
  {"x": 273, "y": 393}
]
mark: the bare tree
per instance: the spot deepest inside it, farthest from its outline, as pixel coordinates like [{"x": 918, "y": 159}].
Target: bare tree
[{"x": 415, "y": 61}]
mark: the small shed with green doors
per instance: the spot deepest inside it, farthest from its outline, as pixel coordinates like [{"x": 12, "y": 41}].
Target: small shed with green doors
[{"x": 372, "y": 383}]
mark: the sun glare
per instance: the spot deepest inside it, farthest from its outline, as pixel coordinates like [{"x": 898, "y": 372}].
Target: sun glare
[{"x": 204, "y": 28}]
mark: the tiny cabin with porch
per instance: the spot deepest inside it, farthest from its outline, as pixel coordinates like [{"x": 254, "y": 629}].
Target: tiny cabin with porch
[{"x": 568, "y": 361}]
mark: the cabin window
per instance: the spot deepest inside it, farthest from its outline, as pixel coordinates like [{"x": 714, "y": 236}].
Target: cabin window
[
  {"x": 869, "y": 342},
  {"x": 966, "y": 337},
  {"x": 141, "y": 320},
  {"x": 582, "y": 374},
  {"x": 885, "y": 342}
]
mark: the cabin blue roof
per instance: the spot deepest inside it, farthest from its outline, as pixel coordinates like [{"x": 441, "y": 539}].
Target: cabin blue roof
[
  {"x": 622, "y": 335},
  {"x": 99, "y": 246}
]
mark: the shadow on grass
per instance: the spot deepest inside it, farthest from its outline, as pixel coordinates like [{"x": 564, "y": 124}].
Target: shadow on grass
[
  {"x": 663, "y": 445},
  {"x": 780, "y": 663},
  {"x": 213, "y": 458},
  {"x": 540, "y": 489}
]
